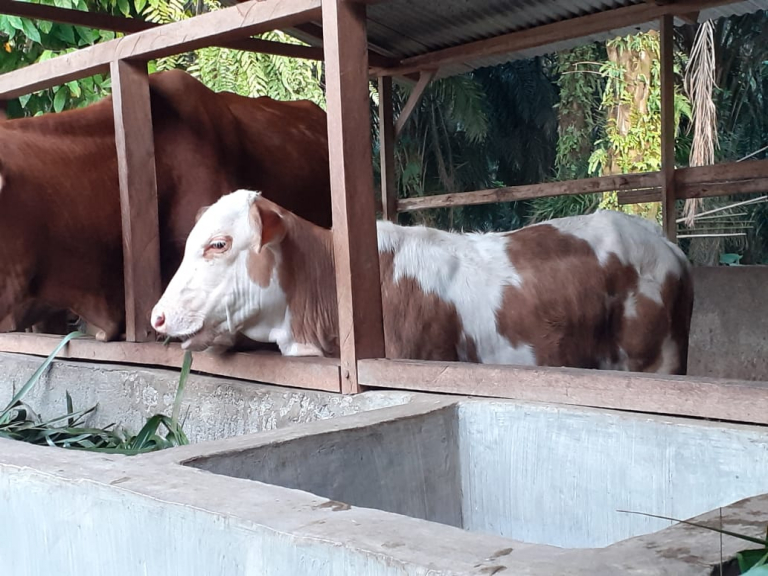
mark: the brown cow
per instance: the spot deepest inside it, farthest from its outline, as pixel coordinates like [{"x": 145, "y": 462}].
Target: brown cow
[
  {"x": 603, "y": 291},
  {"x": 60, "y": 227}
]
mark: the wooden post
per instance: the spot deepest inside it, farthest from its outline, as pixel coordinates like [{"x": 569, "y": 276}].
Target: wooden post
[
  {"x": 138, "y": 195},
  {"x": 361, "y": 333},
  {"x": 668, "y": 129},
  {"x": 387, "y": 149}
]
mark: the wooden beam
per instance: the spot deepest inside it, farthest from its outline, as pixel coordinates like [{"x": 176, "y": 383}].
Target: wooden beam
[
  {"x": 668, "y": 196},
  {"x": 235, "y": 23},
  {"x": 725, "y": 172},
  {"x": 138, "y": 196},
  {"x": 526, "y": 192},
  {"x": 698, "y": 190},
  {"x": 132, "y": 25},
  {"x": 734, "y": 400},
  {"x": 74, "y": 17},
  {"x": 387, "y": 150},
  {"x": 311, "y": 373},
  {"x": 413, "y": 100},
  {"x": 361, "y": 332},
  {"x": 538, "y": 36}
]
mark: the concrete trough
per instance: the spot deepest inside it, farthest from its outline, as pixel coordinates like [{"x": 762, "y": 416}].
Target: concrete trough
[
  {"x": 291, "y": 482},
  {"x": 434, "y": 486}
]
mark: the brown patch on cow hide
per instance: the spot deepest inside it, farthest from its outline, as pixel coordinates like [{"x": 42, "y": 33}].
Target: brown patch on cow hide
[
  {"x": 571, "y": 310},
  {"x": 417, "y": 325},
  {"x": 307, "y": 276},
  {"x": 260, "y": 266}
]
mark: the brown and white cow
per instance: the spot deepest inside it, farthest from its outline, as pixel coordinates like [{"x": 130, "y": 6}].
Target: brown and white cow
[
  {"x": 599, "y": 291},
  {"x": 60, "y": 226}
]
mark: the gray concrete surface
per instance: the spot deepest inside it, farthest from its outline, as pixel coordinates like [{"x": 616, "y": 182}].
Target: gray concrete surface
[
  {"x": 214, "y": 407},
  {"x": 539, "y": 474},
  {"x": 557, "y": 475},
  {"x": 88, "y": 514},
  {"x": 729, "y": 338}
]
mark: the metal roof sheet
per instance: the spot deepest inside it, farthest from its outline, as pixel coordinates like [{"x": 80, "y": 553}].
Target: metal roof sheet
[{"x": 405, "y": 28}]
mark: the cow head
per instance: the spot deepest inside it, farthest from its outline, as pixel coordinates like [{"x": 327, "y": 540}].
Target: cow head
[{"x": 227, "y": 282}]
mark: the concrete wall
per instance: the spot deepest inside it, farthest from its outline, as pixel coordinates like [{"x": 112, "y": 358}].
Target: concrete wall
[
  {"x": 407, "y": 465},
  {"x": 559, "y": 475},
  {"x": 730, "y": 313},
  {"x": 217, "y": 407}
]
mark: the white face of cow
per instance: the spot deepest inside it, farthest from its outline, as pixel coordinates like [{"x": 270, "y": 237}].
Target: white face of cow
[{"x": 226, "y": 282}]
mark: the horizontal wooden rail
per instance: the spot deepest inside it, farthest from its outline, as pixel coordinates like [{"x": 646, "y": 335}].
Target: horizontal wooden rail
[
  {"x": 527, "y": 192},
  {"x": 719, "y": 180},
  {"x": 229, "y": 24},
  {"x": 311, "y": 373},
  {"x": 709, "y": 181},
  {"x": 733, "y": 400}
]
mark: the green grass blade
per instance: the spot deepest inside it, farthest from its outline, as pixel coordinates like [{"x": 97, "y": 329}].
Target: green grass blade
[
  {"x": 763, "y": 543},
  {"x": 39, "y": 372},
  {"x": 185, "y": 368}
]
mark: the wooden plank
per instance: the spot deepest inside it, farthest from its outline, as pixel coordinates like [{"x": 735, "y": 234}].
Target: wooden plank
[
  {"x": 311, "y": 373},
  {"x": 361, "y": 332},
  {"x": 526, "y": 192},
  {"x": 724, "y": 172},
  {"x": 547, "y": 34},
  {"x": 138, "y": 196},
  {"x": 413, "y": 100},
  {"x": 735, "y": 400},
  {"x": 703, "y": 190},
  {"x": 668, "y": 197},
  {"x": 228, "y": 24},
  {"x": 74, "y": 17},
  {"x": 387, "y": 150},
  {"x": 132, "y": 25}
]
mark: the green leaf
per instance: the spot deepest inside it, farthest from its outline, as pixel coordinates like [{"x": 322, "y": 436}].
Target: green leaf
[
  {"x": 65, "y": 33},
  {"x": 31, "y": 31},
  {"x": 124, "y": 7},
  {"x": 140, "y": 4},
  {"x": 60, "y": 99},
  {"x": 45, "y": 26},
  {"x": 39, "y": 372},
  {"x": 16, "y": 22},
  {"x": 74, "y": 89},
  {"x": 748, "y": 559}
]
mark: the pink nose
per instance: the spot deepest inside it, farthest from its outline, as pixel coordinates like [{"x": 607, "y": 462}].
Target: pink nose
[{"x": 158, "y": 322}]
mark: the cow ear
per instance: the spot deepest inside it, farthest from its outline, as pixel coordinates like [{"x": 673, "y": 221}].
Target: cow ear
[
  {"x": 269, "y": 222},
  {"x": 200, "y": 213}
]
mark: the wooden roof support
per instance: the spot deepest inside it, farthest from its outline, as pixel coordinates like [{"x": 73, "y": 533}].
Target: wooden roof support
[
  {"x": 132, "y": 25},
  {"x": 361, "y": 333},
  {"x": 570, "y": 29},
  {"x": 387, "y": 150},
  {"x": 413, "y": 100},
  {"x": 235, "y": 23},
  {"x": 138, "y": 196},
  {"x": 668, "y": 196}
]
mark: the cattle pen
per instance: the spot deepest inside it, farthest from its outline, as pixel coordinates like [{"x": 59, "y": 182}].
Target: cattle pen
[{"x": 387, "y": 40}]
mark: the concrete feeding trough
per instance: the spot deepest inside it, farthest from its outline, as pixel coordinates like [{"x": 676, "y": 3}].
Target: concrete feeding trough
[{"x": 403, "y": 484}]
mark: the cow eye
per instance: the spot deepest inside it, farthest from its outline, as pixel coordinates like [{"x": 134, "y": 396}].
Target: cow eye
[{"x": 218, "y": 245}]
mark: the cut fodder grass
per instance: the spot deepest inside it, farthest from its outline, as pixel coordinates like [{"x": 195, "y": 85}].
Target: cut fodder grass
[{"x": 18, "y": 421}]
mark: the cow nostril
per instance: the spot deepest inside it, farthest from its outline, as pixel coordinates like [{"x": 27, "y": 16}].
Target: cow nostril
[{"x": 159, "y": 320}]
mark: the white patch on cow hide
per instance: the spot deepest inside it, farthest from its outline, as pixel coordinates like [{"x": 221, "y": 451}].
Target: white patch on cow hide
[
  {"x": 469, "y": 271},
  {"x": 2, "y": 182}
]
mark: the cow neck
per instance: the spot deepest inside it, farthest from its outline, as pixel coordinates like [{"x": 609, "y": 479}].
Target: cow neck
[{"x": 307, "y": 275}]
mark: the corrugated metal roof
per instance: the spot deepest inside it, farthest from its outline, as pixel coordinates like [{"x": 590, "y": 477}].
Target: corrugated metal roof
[{"x": 405, "y": 28}]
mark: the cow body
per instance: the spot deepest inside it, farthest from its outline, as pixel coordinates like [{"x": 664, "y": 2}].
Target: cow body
[
  {"x": 600, "y": 291},
  {"x": 60, "y": 223}
]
